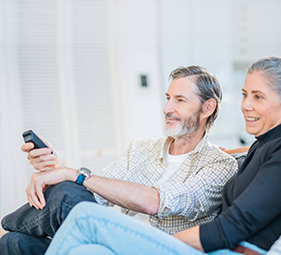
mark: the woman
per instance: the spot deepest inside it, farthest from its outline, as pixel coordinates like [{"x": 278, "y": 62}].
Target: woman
[{"x": 250, "y": 220}]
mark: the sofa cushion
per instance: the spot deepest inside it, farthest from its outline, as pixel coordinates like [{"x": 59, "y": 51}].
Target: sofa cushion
[{"x": 239, "y": 157}]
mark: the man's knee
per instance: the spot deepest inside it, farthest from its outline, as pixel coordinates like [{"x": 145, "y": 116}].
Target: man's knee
[{"x": 68, "y": 193}]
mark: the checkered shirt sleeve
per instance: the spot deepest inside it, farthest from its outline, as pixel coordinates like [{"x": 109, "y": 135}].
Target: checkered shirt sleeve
[{"x": 192, "y": 197}]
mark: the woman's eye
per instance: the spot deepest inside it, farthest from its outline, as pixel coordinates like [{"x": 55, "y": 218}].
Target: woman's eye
[
  {"x": 244, "y": 95},
  {"x": 257, "y": 97},
  {"x": 180, "y": 100},
  {"x": 167, "y": 98}
]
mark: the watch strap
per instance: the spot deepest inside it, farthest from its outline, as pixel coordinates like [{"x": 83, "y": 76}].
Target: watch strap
[{"x": 80, "y": 179}]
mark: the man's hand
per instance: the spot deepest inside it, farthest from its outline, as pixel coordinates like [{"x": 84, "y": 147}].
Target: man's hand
[
  {"x": 42, "y": 159},
  {"x": 40, "y": 180}
]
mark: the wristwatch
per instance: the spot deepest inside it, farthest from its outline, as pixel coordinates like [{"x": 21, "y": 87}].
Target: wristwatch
[{"x": 83, "y": 174}]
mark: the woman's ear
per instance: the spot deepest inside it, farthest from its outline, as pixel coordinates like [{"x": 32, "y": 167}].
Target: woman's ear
[{"x": 209, "y": 107}]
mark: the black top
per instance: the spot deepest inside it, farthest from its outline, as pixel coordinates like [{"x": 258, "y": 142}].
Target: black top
[{"x": 251, "y": 200}]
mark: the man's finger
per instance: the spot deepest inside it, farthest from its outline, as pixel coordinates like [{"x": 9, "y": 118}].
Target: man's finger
[
  {"x": 44, "y": 165},
  {"x": 27, "y": 147},
  {"x": 42, "y": 158},
  {"x": 39, "y": 152},
  {"x": 31, "y": 196},
  {"x": 40, "y": 196}
]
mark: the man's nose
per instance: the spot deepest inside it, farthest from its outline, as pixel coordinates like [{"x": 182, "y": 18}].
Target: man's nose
[{"x": 169, "y": 107}]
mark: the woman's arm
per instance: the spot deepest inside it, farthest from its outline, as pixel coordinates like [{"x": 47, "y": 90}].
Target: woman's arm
[{"x": 191, "y": 237}]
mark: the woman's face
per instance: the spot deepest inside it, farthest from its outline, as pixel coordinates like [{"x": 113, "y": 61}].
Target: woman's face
[{"x": 261, "y": 105}]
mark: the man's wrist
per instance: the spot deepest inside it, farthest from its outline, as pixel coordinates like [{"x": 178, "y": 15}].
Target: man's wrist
[
  {"x": 83, "y": 174},
  {"x": 70, "y": 174}
]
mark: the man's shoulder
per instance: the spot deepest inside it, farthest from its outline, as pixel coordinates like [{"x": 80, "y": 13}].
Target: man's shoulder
[
  {"x": 214, "y": 158},
  {"x": 213, "y": 151}
]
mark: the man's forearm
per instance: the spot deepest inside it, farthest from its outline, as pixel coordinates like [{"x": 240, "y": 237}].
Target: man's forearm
[{"x": 133, "y": 196}]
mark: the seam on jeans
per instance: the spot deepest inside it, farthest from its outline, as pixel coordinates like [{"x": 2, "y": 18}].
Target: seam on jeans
[
  {"x": 32, "y": 223},
  {"x": 124, "y": 228},
  {"x": 35, "y": 222}
]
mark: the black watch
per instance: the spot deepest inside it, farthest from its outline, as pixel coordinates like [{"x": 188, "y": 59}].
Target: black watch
[{"x": 83, "y": 174}]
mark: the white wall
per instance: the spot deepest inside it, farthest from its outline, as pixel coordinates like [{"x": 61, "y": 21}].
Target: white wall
[
  {"x": 12, "y": 185},
  {"x": 199, "y": 33},
  {"x": 224, "y": 36},
  {"x": 136, "y": 51},
  {"x": 131, "y": 51},
  {"x": 149, "y": 37}
]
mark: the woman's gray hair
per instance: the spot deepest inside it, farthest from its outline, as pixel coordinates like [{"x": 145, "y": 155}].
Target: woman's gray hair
[
  {"x": 207, "y": 84},
  {"x": 271, "y": 68}
]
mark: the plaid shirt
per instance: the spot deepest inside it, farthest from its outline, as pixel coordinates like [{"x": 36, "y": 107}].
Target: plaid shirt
[{"x": 192, "y": 197}]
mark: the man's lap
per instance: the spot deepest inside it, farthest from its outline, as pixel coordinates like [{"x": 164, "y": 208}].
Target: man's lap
[{"x": 60, "y": 199}]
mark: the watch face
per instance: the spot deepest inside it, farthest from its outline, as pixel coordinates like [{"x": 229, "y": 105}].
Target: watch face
[{"x": 85, "y": 171}]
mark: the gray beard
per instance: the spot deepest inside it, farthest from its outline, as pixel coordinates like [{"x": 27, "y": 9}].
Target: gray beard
[{"x": 185, "y": 127}]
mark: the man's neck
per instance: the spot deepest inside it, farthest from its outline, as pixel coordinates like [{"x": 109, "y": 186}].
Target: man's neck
[{"x": 187, "y": 143}]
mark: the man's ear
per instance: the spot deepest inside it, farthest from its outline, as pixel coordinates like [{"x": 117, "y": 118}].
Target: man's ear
[{"x": 209, "y": 107}]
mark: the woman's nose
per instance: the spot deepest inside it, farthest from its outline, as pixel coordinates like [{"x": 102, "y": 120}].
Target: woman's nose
[{"x": 246, "y": 104}]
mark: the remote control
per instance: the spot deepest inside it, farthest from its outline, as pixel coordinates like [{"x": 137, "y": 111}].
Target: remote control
[{"x": 30, "y": 136}]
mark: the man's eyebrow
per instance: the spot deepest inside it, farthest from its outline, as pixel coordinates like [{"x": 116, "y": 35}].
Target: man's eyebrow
[{"x": 177, "y": 96}]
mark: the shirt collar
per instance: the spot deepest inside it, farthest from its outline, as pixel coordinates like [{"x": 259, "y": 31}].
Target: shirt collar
[
  {"x": 196, "y": 150},
  {"x": 269, "y": 135}
]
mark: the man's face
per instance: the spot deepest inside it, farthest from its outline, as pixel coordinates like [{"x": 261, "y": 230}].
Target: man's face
[{"x": 183, "y": 108}]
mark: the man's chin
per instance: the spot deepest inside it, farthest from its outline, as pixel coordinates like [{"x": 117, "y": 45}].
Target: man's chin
[{"x": 173, "y": 132}]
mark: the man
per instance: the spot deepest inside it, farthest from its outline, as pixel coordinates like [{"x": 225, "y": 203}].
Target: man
[{"x": 176, "y": 180}]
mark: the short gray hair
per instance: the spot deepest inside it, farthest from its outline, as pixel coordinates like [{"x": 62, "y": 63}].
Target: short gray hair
[
  {"x": 271, "y": 68},
  {"x": 207, "y": 84}
]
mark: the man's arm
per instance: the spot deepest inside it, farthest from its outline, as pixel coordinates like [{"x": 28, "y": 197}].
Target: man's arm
[
  {"x": 108, "y": 189},
  {"x": 129, "y": 195},
  {"x": 133, "y": 196}
]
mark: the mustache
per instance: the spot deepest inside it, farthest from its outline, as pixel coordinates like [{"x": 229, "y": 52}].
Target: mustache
[{"x": 170, "y": 115}]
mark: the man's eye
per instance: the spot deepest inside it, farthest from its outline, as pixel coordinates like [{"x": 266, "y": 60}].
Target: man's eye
[
  {"x": 257, "y": 97},
  {"x": 167, "y": 98},
  {"x": 244, "y": 95},
  {"x": 180, "y": 100}
]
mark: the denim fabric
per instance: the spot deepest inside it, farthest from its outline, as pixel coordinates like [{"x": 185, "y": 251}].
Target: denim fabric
[
  {"x": 275, "y": 248},
  {"x": 91, "y": 249},
  {"x": 94, "y": 229},
  {"x": 245, "y": 244},
  {"x": 18, "y": 243},
  {"x": 39, "y": 225}
]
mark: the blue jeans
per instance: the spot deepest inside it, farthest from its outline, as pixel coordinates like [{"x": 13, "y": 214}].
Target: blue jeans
[
  {"x": 94, "y": 229},
  {"x": 31, "y": 230}
]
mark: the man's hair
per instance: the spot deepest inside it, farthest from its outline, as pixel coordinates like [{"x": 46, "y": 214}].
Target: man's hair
[
  {"x": 207, "y": 84},
  {"x": 271, "y": 68}
]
